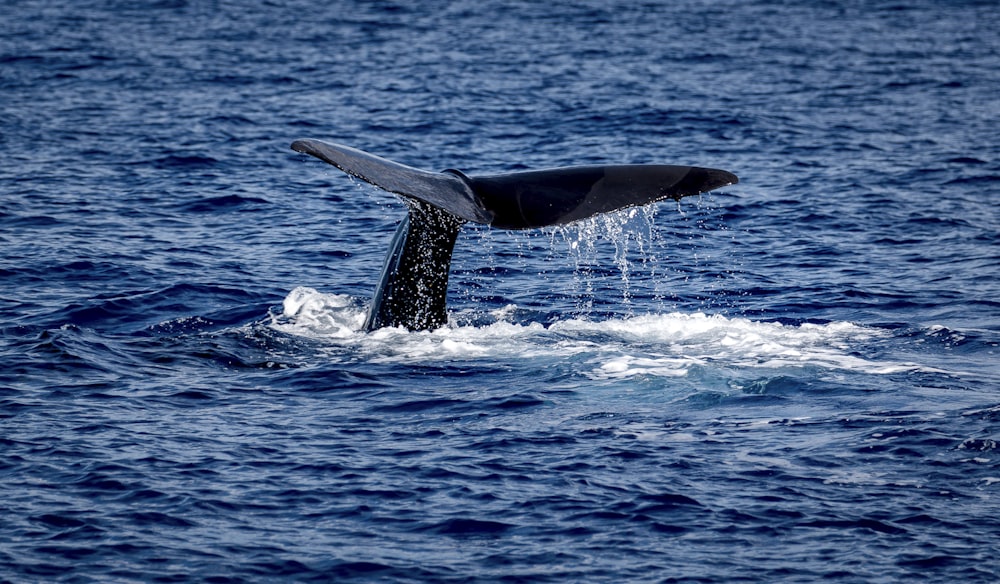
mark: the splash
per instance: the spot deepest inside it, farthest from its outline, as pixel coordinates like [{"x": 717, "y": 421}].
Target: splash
[
  {"x": 625, "y": 229},
  {"x": 650, "y": 254},
  {"x": 328, "y": 316},
  {"x": 653, "y": 345}
]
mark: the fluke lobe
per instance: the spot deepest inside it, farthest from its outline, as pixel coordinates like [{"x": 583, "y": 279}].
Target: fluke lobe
[{"x": 413, "y": 289}]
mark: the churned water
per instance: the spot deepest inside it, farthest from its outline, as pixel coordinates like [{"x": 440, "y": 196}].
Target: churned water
[{"x": 791, "y": 379}]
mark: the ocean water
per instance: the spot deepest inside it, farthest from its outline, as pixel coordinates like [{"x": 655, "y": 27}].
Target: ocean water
[{"x": 790, "y": 379}]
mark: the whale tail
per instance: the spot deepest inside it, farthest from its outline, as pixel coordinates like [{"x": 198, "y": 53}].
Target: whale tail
[{"x": 412, "y": 291}]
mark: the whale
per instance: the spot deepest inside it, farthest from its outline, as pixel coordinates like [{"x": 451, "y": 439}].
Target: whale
[{"x": 412, "y": 290}]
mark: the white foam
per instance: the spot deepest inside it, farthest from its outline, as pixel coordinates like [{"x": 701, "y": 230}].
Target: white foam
[
  {"x": 307, "y": 312},
  {"x": 657, "y": 345}
]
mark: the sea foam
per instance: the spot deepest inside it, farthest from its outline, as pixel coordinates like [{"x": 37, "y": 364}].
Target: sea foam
[{"x": 662, "y": 345}]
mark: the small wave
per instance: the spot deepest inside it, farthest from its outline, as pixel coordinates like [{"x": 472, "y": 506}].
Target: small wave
[
  {"x": 221, "y": 204},
  {"x": 181, "y": 161},
  {"x": 466, "y": 527},
  {"x": 654, "y": 345},
  {"x": 171, "y": 307}
]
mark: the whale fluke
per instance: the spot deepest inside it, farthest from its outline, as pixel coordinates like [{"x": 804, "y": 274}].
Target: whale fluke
[
  {"x": 444, "y": 190},
  {"x": 412, "y": 291}
]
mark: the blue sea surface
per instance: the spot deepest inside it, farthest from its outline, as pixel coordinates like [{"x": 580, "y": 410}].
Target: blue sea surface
[{"x": 793, "y": 378}]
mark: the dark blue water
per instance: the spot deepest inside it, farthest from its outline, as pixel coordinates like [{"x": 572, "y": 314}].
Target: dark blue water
[{"x": 791, "y": 379}]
